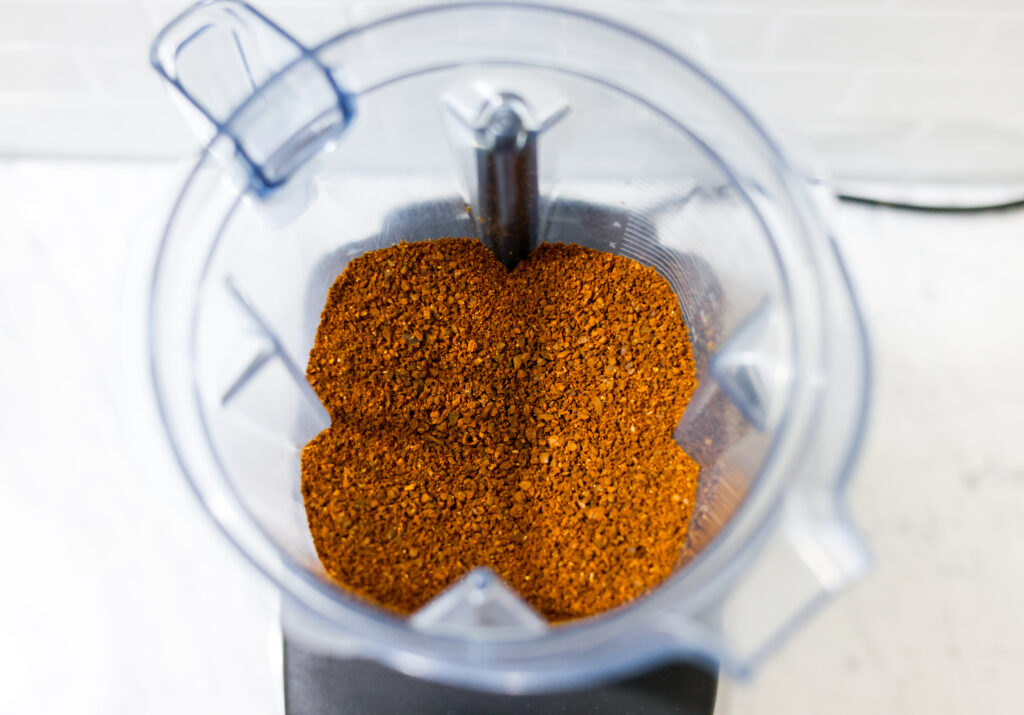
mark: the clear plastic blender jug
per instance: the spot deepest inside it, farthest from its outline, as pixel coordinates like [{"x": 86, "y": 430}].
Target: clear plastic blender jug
[{"x": 315, "y": 156}]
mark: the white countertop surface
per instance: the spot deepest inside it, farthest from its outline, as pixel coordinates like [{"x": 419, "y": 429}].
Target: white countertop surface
[{"x": 121, "y": 597}]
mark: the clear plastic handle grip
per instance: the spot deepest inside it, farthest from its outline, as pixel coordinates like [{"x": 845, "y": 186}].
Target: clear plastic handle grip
[{"x": 244, "y": 77}]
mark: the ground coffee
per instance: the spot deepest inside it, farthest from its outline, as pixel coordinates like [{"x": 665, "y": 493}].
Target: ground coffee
[{"x": 520, "y": 420}]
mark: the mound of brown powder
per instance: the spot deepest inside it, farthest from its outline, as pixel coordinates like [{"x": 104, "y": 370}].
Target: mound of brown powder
[{"x": 518, "y": 420}]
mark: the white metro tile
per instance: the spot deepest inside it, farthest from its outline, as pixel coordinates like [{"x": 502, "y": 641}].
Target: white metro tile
[
  {"x": 125, "y": 77},
  {"x": 927, "y": 6},
  {"x": 761, "y": 6},
  {"x": 789, "y": 93},
  {"x": 52, "y": 3},
  {"x": 35, "y": 72},
  {"x": 674, "y": 29},
  {"x": 309, "y": 22},
  {"x": 1001, "y": 43},
  {"x": 158, "y": 13},
  {"x": 879, "y": 40},
  {"x": 114, "y": 24},
  {"x": 732, "y": 37},
  {"x": 97, "y": 130},
  {"x": 986, "y": 97}
]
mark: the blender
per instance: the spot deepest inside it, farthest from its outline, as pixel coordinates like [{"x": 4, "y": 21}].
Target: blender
[{"x": 516, "y": 124}]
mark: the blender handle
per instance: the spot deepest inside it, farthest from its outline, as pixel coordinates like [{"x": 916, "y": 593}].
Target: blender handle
[{"x": 221, "y": 54}]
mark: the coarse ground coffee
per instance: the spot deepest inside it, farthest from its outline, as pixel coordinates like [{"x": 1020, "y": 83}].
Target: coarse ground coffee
[{"x": 520, "y": 420}]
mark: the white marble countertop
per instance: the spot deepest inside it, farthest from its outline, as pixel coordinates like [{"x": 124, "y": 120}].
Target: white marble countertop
[{"x": 120, "y": 597}]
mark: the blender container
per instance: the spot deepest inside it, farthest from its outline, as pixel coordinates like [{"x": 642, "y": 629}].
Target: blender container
[{"x": 517, "y": 124}]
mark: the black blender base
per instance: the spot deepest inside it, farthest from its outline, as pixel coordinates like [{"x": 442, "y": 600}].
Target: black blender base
[{"x": 318, "y": 685}]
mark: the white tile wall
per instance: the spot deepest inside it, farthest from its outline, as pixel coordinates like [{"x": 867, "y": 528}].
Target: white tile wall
[
  {"x": 38, "y": 75},
  {"x": 74, "y": 76},
  {"x": 731, "y": 36},
  {"x": 807, "y": 92},
  {"x": 956, "y": 95},
  {"x": 118, "y": 75},
  {"x": 91, "y": 23},
  {"x": 851, "y": 39},
  {"x": 1000, "y": 43}
]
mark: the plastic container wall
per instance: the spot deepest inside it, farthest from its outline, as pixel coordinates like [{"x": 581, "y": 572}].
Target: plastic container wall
[{"x": 355, "y": 146}]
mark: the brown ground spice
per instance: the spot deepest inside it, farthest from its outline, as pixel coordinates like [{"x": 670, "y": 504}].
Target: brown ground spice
[{"x": 518, "y": 420}]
